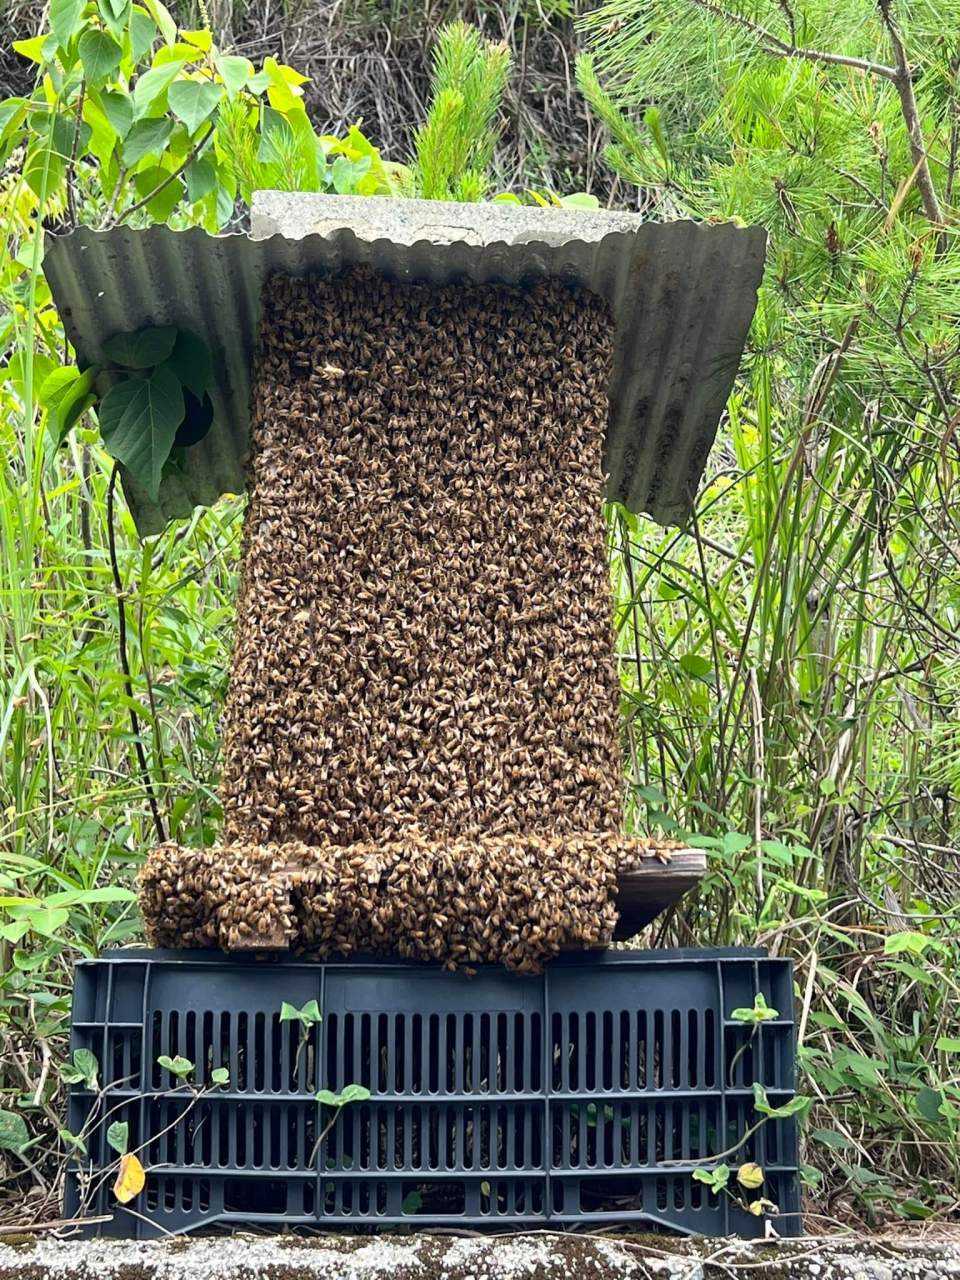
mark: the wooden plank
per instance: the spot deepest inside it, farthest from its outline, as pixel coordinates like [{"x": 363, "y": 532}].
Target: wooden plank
[{"x": 646, "y": 891}]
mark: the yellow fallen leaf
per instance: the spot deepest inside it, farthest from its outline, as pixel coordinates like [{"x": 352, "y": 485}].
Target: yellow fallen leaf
[
  {"x": 130, "y": 1179},
  {"x": 761, "y": 1208},
  {"x": 750, "y": 1175}
]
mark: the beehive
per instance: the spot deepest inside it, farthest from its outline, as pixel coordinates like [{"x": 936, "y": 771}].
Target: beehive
[{"x": 420, "y": 743}]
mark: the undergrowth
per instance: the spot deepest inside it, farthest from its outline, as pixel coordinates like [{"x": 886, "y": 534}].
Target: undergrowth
[{"x": 789, "y": 660}]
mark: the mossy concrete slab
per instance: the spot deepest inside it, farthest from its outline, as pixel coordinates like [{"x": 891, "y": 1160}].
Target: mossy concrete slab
[{"x": 541, "y": 1256}]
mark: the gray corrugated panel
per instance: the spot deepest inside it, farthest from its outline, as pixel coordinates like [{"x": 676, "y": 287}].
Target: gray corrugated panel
[{"x": 682, "y": 294}]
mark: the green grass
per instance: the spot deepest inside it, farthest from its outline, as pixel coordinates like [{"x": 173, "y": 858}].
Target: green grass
[{"x": 790, "y": 662}]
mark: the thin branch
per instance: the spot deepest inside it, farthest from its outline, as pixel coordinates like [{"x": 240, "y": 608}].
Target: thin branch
[
  {"x": 780, "y": 48},
  {"x": 151, "y": 195},
  {"x": 903, "y": 79},
  {"x": 124, "y": 662},
  {"x": 71, "y": 195}
]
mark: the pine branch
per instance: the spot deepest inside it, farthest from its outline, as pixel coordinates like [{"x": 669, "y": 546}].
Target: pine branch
[
  {"x": 911, "y": 115},
  {"x": 776, "y": 47}
]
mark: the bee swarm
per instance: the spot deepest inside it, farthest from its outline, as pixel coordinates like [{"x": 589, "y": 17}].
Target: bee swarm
[{"x": 421, "y": 745}]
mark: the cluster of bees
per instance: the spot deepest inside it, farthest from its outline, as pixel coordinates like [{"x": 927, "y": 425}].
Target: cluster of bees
[{"x": 421, "y": 745}]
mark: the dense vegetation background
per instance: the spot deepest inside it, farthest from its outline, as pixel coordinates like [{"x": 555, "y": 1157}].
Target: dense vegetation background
[{"x": 790, "y": 661}]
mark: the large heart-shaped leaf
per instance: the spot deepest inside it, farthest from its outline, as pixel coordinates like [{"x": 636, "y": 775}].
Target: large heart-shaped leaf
[
  {"x": 143, "y": 349},
  {"x": 118, "y": 108},
  {"x": 99, "y": 55},
  {"x": 192, "y": 101},
  {"x": 201, "y": 179},
  {"x": 64, "y": 18},
  {"x": 161, "y": 16},
  {"x": 138, "y": 422},
  {"x": 236, "y": 71},
  {"x": 191, "y": 362},
  {"x": 143, "y": 32},
  {"x": 147, "y": 137},
  {"x": 152, "y": 83}
]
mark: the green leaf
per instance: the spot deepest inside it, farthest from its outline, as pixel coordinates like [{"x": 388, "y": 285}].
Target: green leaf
[
  {"x": 795, "y": 1107},
  {"x": 55, "y": 385},
  {"x": 118, "y": 108},
  {"x": 350, "y": 1093},
  {"x": 99, "y": 55},
  {"x": 161, "y": 189},
  {"x": 761, "y": 1011},
  {"x": 652, "y": 119},
  {"x": 14, "y": 1134},
  {"x": 914, "y": 1210},
  {"x": 65, "y": 19},
  {"x": 831, "y": 1138},
  {"x": 138, "y": 422},
  {"x": 103, "y": 136},
  {"x": 47, "y": 920},
  {"x": 915, "y": 943},
  {"x": 193, "y": 101},
  {"x": 948, "y": 1044},
  {"x": 354, "y": 1093},
  {"x": 66, "y": 394},
  {"x": 236, "y": 72},
  {"x": 83, "y": 1069},
  {"x": 72, "y": 1140},
  {"x": 144, "y": 349},
  {"x": 118, "y": 1137},
  {"x": 179, "y": 1066},
  {"x": 32, "y": 48},
  {"x": 929, "y": 1101},
  {"x": 864, "y": 1068},
  {"x": 413, "y": 1202},
  {"x": 579, "y": 200},
  {"x": 153, "y": 83},
  {"x": 694, "y": 664},
  {"x": 220, "y": 1075},
  {"x": 308, "y": 1015},
  {"x": 143, "y": 32},
  {"x": 161, "y": 16},
  {"x": 717, "y": 1179},
  {"x": 85, "y": 897},
  {"x": 146, "y": 137},
  {"x": 802, "y": 891},
  {"x": 201, "y": 178},
  {"x": 115, "y": 15},
  {"x": 310, "y": 1012},
  {"x": 345, "y": 173},
  {"x": 190, "y": 360}
]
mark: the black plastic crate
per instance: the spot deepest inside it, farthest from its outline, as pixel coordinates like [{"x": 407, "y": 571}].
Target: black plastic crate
[{"x": 585, "y": 1096}]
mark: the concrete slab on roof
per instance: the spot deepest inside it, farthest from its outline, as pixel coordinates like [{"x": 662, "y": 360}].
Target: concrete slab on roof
[
  {"x": 295, "y": 214},
  {"x": 682, "y": 296}
]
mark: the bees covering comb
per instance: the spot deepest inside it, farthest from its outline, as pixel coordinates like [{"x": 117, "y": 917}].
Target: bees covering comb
[
  {"x": 421, "y": 742},
  {"x": 515, "y": 900}
]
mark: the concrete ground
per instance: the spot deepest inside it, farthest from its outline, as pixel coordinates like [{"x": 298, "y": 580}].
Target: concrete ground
[{"x": 536, "y": 1256}]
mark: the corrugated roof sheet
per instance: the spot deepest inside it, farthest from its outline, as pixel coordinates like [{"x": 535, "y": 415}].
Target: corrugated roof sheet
[{"x": 682, "y": 295}]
